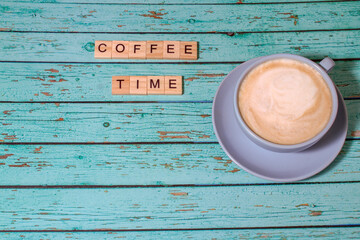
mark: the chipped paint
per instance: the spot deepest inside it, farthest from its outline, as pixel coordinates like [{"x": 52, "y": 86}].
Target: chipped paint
[
  {"x": 52, "y": 70},
  {"x": 210, "y": 74},
  {"x": 179, "y": 193},
  {"x": 184, "y": 210},
  {"x": 315, "y": 213},
  {"x": 302, "y": 205},
  {"x": 22, "y": 165},
  {"x": 153, "y": 14},
  {"x": 38, "y": 149},
  {"x": 47, "y": 94},
  {"x": 191, "y": 79},
  {"x": 8, "y": 112},
  {"x": 355, "y": 133},
  {"x": 5, "y": 156}
]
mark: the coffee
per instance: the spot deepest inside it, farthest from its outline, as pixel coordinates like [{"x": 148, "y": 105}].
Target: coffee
[{"x": 285, "y": 101}]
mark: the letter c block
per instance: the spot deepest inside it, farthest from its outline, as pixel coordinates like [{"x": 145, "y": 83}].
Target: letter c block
[{"x": 103, "y": 49}]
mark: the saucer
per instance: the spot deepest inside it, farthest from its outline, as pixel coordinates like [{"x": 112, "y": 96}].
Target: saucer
[{"x": 280, "y": 167}]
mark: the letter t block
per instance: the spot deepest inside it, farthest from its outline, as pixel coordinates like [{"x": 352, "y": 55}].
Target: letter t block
[{"x": 121, "y": 85}]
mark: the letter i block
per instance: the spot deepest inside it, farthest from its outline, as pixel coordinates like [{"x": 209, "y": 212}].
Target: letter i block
[
  {"x": 138, "y": 85},
  {"x": 156, "y": 85},
  {"x": 103, "y": 49},
  {"x": 173, "y": 85},
  {"x": 154, "y": 49},
  {"x": 137, "y": 49},
  {"x": 120, "y": 49},
  {"x": 189, "y": 50},
  {"x": 120, "y": 85},
  {"x": 171, "y": 50}
]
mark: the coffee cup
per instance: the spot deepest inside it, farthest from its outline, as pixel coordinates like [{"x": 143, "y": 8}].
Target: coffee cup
[{"x": 285, "y": 102}]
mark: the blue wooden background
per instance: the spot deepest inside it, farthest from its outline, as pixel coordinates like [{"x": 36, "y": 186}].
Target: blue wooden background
[{"x": 77, "y": 162}]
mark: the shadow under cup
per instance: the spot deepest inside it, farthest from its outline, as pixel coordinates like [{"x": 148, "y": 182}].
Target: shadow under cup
[{"x": 324, "y": 67}]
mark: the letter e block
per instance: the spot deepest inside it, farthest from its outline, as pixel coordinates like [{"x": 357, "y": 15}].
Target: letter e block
[
  {"x": 154, "y": 49},
  {"x": 120, "y": 49},
  {"x": 120, "y": 85},
  {"x": 103, "y": 49},
  {"x": 137, "y": 49},
  {"x": 171, "y": 50},
  {"x": 173, "y": 85},
  {"x": 155, "y": 85},
  {"x": 189, "y": 50},
  {"x": 138, "y": 85}
]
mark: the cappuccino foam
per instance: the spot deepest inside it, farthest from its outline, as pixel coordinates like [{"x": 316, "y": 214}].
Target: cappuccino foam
[{"x": 285, "y": 101}]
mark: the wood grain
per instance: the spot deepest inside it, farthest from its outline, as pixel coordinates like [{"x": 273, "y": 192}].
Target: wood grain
[
  {"x": 90, "y": 82},
  {"x": 167, "y": 2},
  {"x": 172, "y": 18},
  {"x": 143, "y": 164},
  {"x": 294, "y": 233},
  {"x": 79, "y": 47},
  {"x": 180, "y": 207},
  {"x": 128, "y": 122}
]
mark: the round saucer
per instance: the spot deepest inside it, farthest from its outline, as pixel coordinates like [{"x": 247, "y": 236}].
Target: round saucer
[{"x": 281, "y": 167}]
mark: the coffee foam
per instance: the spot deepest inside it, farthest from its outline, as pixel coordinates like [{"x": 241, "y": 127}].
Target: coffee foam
[{"x": 285, "y": 101}]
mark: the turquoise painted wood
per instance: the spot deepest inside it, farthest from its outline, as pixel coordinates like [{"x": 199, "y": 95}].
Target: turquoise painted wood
[
  {"x": 89, "y": 82},
  {"x": 163, "y": 169},
  {"x": 303, "y": 233},
  {"x": 163, "y": 2},
  {"x": 143, "y": 165},
  {"x": 112, "y": 122},
  {"x": 171, "y": 18},
  {"x": 180, "y": 208},
  {"x": 79, "y": 47}
]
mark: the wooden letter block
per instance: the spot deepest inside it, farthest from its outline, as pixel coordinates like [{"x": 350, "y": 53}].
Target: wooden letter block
[
  {"x": 171, "y": 50},
  {"x": 137, "y": 49},
  {"x": 121, "y": 85},
  {"x": 120, "y": 49},
  {"x": 189, "y": 50},
  {"x": 154, "y": 49},
  {"x": 138, "y": 85},
  {"x": 103, "y": 49},
  {"x": 173, "y": 85},
  {"x": 155, "y": 85}
]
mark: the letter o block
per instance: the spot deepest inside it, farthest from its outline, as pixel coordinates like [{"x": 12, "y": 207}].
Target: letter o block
[
  {"x": 103, "y": 49},
  {"x": 120, "y": 49}
]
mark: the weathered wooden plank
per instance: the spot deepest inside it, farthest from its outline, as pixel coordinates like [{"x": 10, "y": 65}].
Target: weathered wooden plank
[
  {"x": 181, "y": 207},
  {"x": 164, "y": 164},
  {"x": 167, "y": 2},
  {"x": 292, "y": 233},
  {"x": 126, "y": 122},
  {"x": 89, "y": 82},
  {"x": 79, "y": 47},
  {"x": 172, "y": 18}
]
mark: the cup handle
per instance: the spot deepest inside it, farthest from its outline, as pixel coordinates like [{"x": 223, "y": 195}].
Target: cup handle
[{"x": 327, "y": 64}]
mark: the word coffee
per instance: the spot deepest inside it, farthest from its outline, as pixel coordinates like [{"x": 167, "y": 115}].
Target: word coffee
[
  {"x": 146, "y": 50},
  {"x": 147, "y": 85}
]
